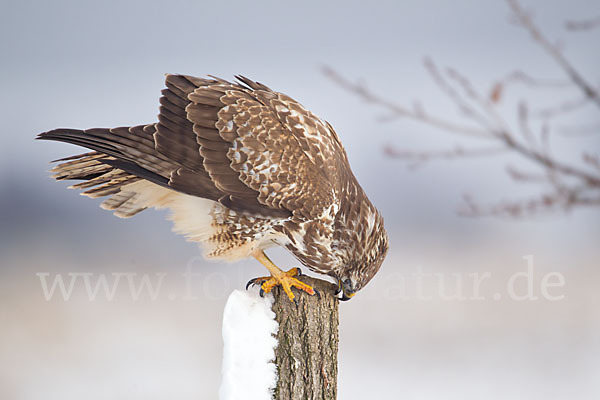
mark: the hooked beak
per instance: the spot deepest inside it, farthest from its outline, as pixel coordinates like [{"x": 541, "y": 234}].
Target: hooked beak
[{"x": 346, "y": 295}]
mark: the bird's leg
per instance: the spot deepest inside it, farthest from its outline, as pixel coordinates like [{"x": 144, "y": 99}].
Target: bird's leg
[{"x": 279, "y": 277}]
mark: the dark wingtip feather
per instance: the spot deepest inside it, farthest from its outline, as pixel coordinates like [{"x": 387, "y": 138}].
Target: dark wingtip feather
[
  {"x": 254, "y": 85},
  {"x": 59, "y": 134},
  {"x": 44, "y": 136},
  {"x": 75, "y": 157}
]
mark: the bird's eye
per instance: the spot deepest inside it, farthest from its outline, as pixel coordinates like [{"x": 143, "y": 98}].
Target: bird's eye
[{"x": 347, "y": 282}]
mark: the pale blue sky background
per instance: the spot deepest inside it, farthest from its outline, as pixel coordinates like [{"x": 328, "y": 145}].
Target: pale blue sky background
[{"x": 101, "y": 64}]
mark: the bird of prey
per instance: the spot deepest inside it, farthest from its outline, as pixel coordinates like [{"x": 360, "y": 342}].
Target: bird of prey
[{"x": 242, "y": 168}]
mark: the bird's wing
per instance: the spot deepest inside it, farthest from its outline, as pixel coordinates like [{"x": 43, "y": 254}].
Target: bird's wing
[
  {"x": 255, "y": 140},
  {"x": 243, "y": 145}
]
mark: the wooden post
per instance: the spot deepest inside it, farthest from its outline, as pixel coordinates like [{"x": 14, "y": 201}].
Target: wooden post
[{"x": 306, "y": 354}]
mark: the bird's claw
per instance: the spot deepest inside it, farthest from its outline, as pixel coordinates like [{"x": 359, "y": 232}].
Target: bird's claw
[
  {"x": 257, "y": 281},
  {"x": 287, "y": 280},
  {"x": 251, "y": 282}
]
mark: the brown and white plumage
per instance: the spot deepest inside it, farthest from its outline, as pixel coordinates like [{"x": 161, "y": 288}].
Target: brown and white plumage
[{"x": 242, "y": 168}]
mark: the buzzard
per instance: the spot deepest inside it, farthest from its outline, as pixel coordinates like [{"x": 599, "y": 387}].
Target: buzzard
[{"x": 242, "y": 168}]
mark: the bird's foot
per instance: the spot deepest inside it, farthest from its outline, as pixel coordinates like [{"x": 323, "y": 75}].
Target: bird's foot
[{"x": 286, "y": 280}]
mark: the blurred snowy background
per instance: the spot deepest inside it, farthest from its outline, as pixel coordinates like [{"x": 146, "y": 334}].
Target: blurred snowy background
[{"x": 101, "y": 64}]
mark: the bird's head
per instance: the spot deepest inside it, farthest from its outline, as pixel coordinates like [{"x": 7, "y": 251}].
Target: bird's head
[{"x": 372, "y": 249}]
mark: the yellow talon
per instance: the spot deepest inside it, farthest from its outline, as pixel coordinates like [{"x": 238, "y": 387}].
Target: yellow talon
[{"x": 279, "y": 277}]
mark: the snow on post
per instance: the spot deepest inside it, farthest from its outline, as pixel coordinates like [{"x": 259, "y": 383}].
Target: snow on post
[{"x": 249, "y": 330}]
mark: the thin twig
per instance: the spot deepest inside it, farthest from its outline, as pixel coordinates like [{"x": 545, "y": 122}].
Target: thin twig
[
  {"x": 522, "y": 77},
  {"x": 583, "y": 25},
  {"x": 417, "y": 114},
  {"x": 563, "y": 108},
  {"x": 525, "y": 20},
  {"x": 483, "y": 102},
  {"x": 591, "y": 159},
  {"x": 463, "y": 105},
  {"x": 547, "y": 202},
  {"x": 420, "y": 157},
  {"x": 525, "y": 128},
  {"x": 522, "y": 176},
  {"x": 548, "y": 162}
]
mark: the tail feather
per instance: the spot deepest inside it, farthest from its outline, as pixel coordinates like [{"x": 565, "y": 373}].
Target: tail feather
[
  {"x": 114, "y": 173},
  {"x": 123, "y": 165},
  {"x": 81, "y": 166},
  {"x": 115, "y": 185},
  {"x": 128, "y": 149},
  {"x": 101, "y": 179}
]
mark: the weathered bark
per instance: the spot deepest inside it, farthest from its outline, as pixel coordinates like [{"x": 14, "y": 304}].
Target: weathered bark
[{"x": 306, "y": 354}]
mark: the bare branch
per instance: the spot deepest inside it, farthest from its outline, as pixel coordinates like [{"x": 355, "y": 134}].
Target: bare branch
[
  {"x": 591, "y": 159},
  {"x": 417, "y": 158},
  {"x": 583, "y": 25},
  {"x": 523, "y": 114},
  {"x": 525, "y": 20},
  {"x": 548, "y": 162},
  {"x": 475, "y": 97},
  {"x": 417, "y": 114},
  {"x": 545, "y": 203},
  {"x": 522, "y": 77},
  {"x": 529, "y": 177},
  {"x": 570, "y": 184},
  {"x": 563, "y": 108},
  {"x": 463, "y": 105}
]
